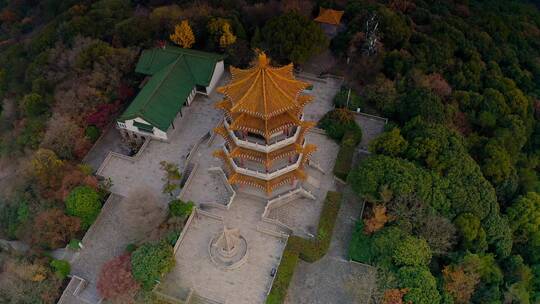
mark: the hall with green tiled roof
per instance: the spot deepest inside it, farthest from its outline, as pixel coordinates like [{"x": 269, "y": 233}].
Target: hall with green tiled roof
[{"x": 176, "y": 75}]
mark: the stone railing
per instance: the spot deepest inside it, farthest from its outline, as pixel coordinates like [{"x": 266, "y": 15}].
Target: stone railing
[
  {"x": 285, "y": 198},
  {"x": 193, "y": 150},
  {"x": 188, "y": 182},
  {"x": 112, "y": 154},
  {"x": 221, "y": 174},
  {"x": 260, "y": 147},
  {"x": 184, "y": 230},
  {"x": 384, "y": 119}
]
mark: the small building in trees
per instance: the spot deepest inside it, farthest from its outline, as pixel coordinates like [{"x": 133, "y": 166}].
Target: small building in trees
[
  {"x": 330, "y": 21},
  {"x": 264, "y": 127},
  {"x": 176, "y": 76}
]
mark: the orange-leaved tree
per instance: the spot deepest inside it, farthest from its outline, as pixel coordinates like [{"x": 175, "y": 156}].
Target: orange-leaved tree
[
  {"x": 115, "y": 281},
  {"x": 460, "y": 282},
  {"x": 183, "y": 35},
  {"x": 377, "y": 221}
]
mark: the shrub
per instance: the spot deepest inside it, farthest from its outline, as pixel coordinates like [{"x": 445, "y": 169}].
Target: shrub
[
  {"x": 150, "y": 262},
  {"x": 84, "y": 203},
  {"x": 115, "y": 278},
  {"x": 360, "y": 245},
  {"x": 61, "y": 268},
  {"x": 284, "y": 274},
  {"x": 337, "y": 122},
  {"x": 180, "y": 208},
  {"x": 312, "y": 250},
  {"x": 131, "y": 247},
  {"x": 92, "y": 133},
  {"x": 412, "y": 251},
  {"x": 345, "y": 155},
  {"x": 74, "y": 244}
]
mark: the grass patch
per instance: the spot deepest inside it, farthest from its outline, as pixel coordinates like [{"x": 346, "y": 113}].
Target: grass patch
[{"x": 307, "y": 250}]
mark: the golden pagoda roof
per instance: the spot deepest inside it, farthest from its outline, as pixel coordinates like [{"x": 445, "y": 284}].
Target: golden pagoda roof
[
  {"x": 329, "y": 16},
  {"x": 263, "y": 90},
  {"x": 266, "y": 185}
]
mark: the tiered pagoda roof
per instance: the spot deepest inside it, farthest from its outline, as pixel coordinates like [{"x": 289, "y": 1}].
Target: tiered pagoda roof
[{"x": 265, "y": 101}]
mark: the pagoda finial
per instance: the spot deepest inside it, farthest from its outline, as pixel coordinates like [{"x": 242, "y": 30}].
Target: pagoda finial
[{"x": 262, "y": 58}]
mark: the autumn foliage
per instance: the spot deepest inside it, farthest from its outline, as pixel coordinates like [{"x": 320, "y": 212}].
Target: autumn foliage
[
  {"x": 377, "y": 221},
  {"x": 53, "y": 229},
  {"x": 394, "y": 296},
  {"x": 103, "y": 114},
  {"x": 115, "y": 280},
  {"x": 460, "y": 282},
  {"x": 183, "y": 35}
]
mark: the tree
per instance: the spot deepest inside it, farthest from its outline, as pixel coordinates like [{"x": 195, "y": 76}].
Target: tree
[
  {"x": 33, "y": 105},
  {"x": 61, "y": 135},
  {"x": 421, "y": 284},
  {"x": 84, "y": 203},
  {"x": 172, "y": 177},
  {"x": 395, "y": 30},
  {"x": 183, "y": 35},
  {"x": 61, "y": 268},
  {"x": 115, "y": 279},
  {"x": 412, "y": 251},
  {"x": 221, "y": 31},
  {"x": 53, "y": 229},
  {"x": 150, "y": 262},
  {"x": 473, "y": 236},
  {"x": 394, "y": 296},
  {"x": 389, "y": 143},
  {"x": 180, "y": 208},
  {"x": 460, "y": 282},
  {"x": 377, "y": 221},
  {"x": 439, "y": 233},
  {"x": 524, "y": 217},
  {"x": 47, "y": 167},
  {"x": 293, "y": 37}
]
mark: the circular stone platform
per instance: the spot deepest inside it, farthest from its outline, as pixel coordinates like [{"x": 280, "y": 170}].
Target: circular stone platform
[{"x": 228, "y": 249}]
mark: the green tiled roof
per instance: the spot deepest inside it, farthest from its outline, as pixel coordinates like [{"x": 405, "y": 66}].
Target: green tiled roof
[{"x": 175, "y": 72}]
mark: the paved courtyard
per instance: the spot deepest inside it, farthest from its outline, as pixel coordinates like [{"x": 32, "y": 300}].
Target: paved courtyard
[
  {"x": 250, "y": 282},
  {"x": 247, "y": 284}
]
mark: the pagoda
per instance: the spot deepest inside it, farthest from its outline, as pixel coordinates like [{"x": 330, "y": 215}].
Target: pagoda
[{"x": 264, "y": 127}]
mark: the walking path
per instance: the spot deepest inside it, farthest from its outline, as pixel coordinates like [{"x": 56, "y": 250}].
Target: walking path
[{"x": 333, "y": 279}]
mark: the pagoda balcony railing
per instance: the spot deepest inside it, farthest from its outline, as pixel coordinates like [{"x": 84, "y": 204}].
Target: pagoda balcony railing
[
  {"x": 244, "y": 143},
  {"x": 265, "y": 175}
]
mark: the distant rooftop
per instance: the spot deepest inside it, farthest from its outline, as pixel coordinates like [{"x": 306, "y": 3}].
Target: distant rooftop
[
  {"x": 175, "y": 72},
  {"x": 329, "y": 16}
]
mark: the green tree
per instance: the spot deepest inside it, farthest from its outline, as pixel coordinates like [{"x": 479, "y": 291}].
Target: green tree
[
  {"x": 293, "y": 37},
  {"x": 412, "y": 251},
  {"x": 150, "y": 262},
  {"x": 524, "y": 217},
  {"x": 61, "y": 268},
  {"x": 394, "y": 29},
  {"x": 421, "y": 284},
  {"x": 180, "y": 208},
  {"x": 389, "y": 143},
  {"x": 33, "y": 105},
  {"x": 84, "y": 203}
]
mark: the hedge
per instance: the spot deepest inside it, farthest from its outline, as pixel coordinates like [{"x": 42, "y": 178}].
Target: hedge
[
  {"x": 307, "y": 250},
  {"x": 345, "y": 155},
  {"x": 284, "y": 275}
]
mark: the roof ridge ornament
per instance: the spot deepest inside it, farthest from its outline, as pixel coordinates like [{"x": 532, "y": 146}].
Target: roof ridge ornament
[{"x": 262, "y": 58}]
